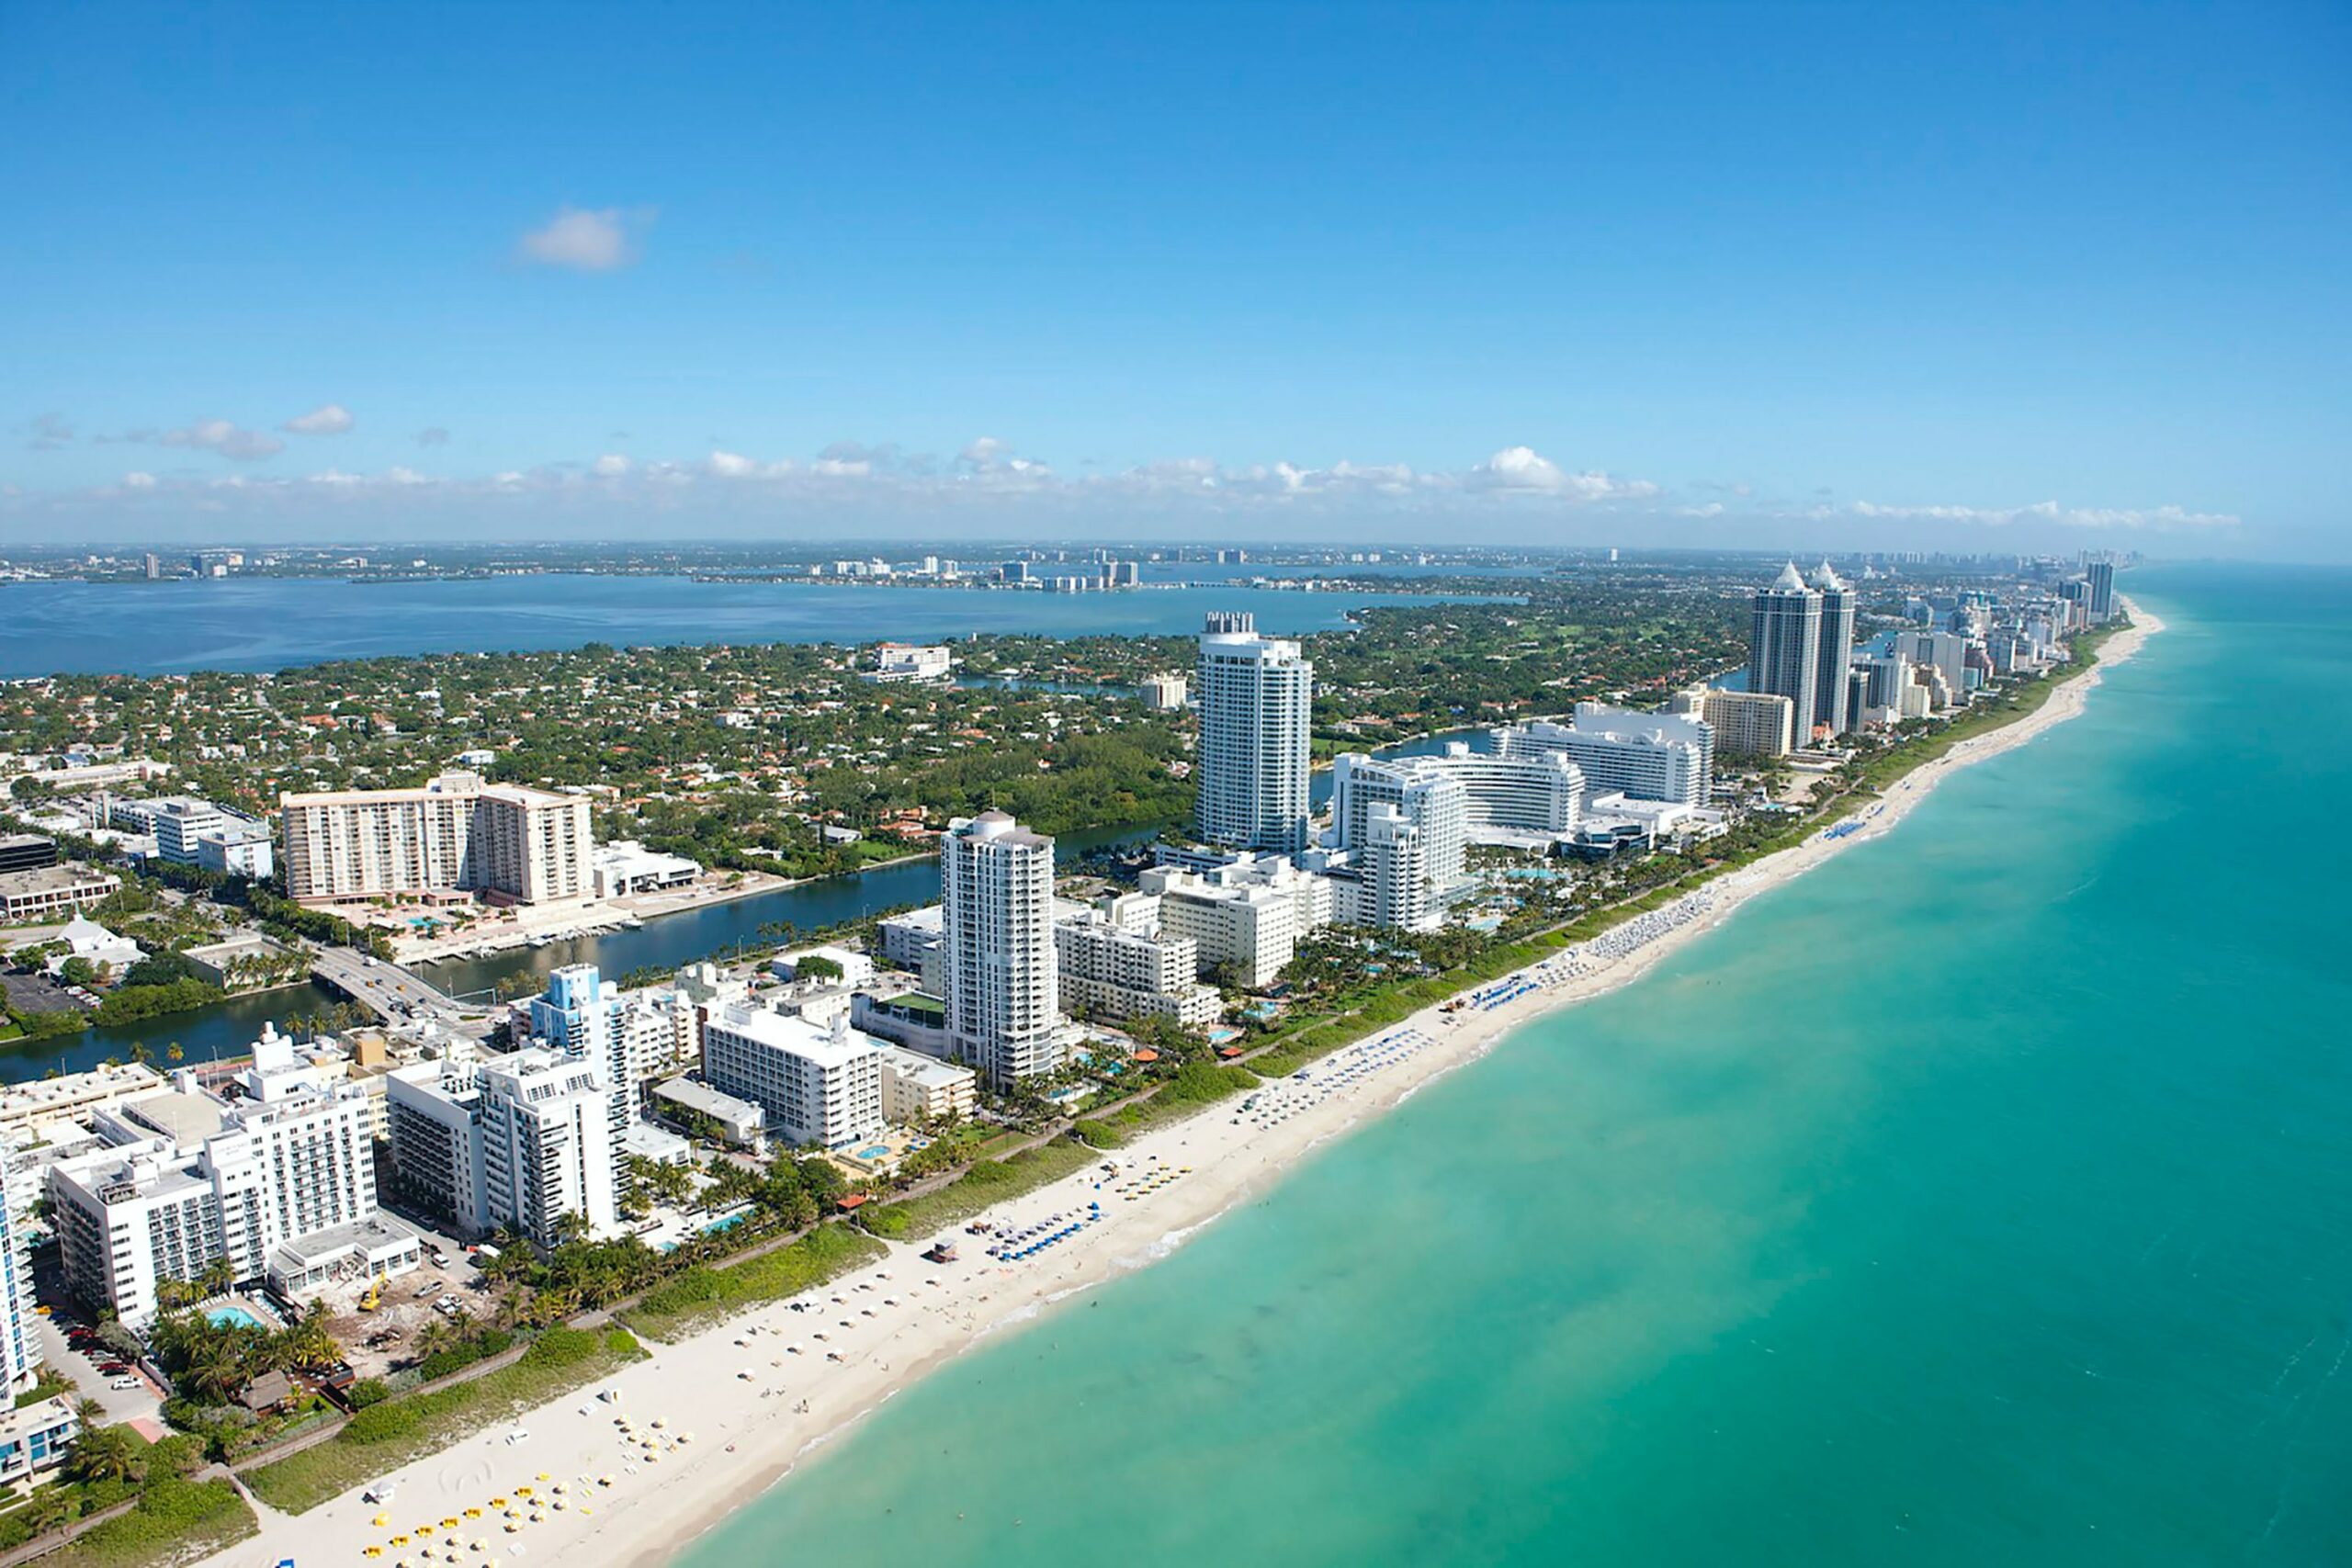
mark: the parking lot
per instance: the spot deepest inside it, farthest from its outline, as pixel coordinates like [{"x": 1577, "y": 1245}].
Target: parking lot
[{"x": 142, "y": 1399}]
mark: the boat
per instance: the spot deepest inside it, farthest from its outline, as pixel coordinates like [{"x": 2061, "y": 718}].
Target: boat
[
  {"x": 631, "y": 923},
  {"x": 541, "y": 940}
]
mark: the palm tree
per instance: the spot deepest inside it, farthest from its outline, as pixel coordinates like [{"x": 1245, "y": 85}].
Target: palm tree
[
  {"x": 174, "y": 1052},
  {"x": 49, "y": 1509},
  {"x": 108, "y": 1453}
]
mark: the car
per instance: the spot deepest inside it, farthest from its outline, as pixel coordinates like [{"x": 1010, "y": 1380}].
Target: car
[{"x": 125, "y": 1382}]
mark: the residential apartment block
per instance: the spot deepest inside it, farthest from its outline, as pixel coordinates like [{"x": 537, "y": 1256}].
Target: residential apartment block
[{"x": 456, "y": 834}]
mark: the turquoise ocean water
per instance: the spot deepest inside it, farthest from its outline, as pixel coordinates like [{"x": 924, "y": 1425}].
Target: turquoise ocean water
[{"x": 1983, "y": 1197}]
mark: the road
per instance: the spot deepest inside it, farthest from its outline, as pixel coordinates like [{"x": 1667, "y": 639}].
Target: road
[{"x": 385, "y": 989}]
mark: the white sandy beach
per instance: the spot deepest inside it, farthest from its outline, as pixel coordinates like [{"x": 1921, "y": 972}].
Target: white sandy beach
[{"x": 756, "y": 1394}]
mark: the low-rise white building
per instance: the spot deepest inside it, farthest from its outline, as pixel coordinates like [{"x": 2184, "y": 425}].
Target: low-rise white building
[
  {"x": 237, "y": 848},
  {"x": 625, "y": 866},
  {"x": 916, "y": 1088},
  {"x": 854, "y": 968},
  {"x": 685, "y": 1102},
  {"x": 48, "y": 891},
  {"x": 911, "y": 661},
  {"x": 36, "y": 1437}
]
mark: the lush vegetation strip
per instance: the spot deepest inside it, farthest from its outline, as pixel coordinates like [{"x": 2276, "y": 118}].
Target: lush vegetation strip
[
  {"x": 173, "y": 1521},
  {"x": 703, "y": 1294},
  {"x": 384, "y": 1437}
]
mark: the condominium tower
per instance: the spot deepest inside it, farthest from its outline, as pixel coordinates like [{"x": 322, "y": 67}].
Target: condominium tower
[
  {"x": 1839, "y": 602},
  {"x": 521, "y": 1141},
  {"x": 1784, "y": 647},
  {"x": 997, "y": 948},
  {"x": 1256, "y": 703}
]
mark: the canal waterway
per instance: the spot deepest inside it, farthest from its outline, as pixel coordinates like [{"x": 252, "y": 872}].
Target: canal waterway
[{"x": 669, "y": 941}]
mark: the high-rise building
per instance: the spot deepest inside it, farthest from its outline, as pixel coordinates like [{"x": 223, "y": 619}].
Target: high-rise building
[
  {"x": 2101, "y": 577},
  {"x": 1947, "y": 653},
  {"x": 280, "y": 1183},
  {"x": 520, "y": 1141},
  {"x": 1164, "y": 692},
  {"x": 1646, "y": 756},
  {"x": 1838, "y": 605},
  {"x": 1400, "y": 884},
  {"x": 997, "y": 948},
  {"x": 1426, "y": 797},
  {"x": 457, "y": 832},
  {"x": 1785, "y": 647},
  {"x": 629, "y": 1039},
  {"x": 1256, "y": 700},
  {"x": 1749, "y": 724},
  {"x": 20, "y": 1354}
]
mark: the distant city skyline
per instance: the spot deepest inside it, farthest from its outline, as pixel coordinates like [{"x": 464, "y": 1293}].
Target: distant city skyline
[{"x": 1734, "y": 276}]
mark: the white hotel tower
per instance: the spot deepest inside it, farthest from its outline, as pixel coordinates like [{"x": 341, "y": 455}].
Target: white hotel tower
[
  {"x": 996, "y": 949},
  {"x": 1256, "y": 703}
]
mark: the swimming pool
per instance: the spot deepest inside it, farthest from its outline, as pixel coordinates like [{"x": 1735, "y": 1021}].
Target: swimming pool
[
  {"x": 879, "y": 1151},
  {"x": 232, "y": 1317}
]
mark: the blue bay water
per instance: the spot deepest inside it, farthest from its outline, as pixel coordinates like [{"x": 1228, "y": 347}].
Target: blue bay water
[
  {"x": 261, "y": 623},
  {"x": 1982, "y": 1197}
]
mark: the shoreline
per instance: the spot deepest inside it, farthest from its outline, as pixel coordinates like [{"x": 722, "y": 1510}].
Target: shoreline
[{"x": 891, "y": 1323}]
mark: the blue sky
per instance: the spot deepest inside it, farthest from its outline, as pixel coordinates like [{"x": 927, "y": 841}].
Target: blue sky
[{"x": 1906, "y": 277}]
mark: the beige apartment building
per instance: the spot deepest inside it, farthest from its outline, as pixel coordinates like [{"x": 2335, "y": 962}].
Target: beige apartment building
[{"x": 456, "y": 834}]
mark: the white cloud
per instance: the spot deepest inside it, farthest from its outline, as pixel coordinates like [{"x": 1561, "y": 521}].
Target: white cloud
[
  {"x": 586, "y": 240},
  {"x": 732, "y": 466},
  {"x": 216, "y": 435},
  {"x": 986, "y": 486},
  {"x": 327, "y": 419},
  {"x": 2161, "y": 519},
  {"x": 1521, "y": 470}
]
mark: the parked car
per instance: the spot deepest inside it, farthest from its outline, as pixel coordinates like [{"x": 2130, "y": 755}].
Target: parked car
[{"x": 125, "y": 1382}]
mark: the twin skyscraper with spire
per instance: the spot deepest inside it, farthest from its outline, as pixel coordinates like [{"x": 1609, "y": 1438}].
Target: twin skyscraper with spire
[{"x": 1800, "y": 645}]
